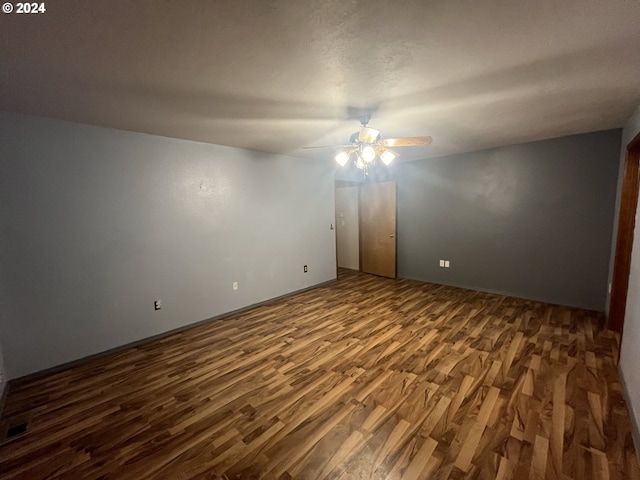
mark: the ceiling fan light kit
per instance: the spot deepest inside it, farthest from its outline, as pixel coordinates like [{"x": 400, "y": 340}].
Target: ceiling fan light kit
[{"x": 367, "y": 145}]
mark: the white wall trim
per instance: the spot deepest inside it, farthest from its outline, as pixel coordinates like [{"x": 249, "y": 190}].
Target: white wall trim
[{"x": 635, "y": 428}]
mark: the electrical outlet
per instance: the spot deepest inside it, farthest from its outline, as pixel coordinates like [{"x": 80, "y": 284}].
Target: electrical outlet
[
  {"x": 442, "y": 263},
  {"x": 446, "y": 264},
  {"x": 305, "y": 269},
  {"x": 157, "y": 305},
  {"x": 234, "y": 285}
]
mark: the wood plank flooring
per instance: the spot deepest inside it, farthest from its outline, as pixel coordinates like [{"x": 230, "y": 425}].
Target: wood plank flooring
[{"x": 366, "y": 378}]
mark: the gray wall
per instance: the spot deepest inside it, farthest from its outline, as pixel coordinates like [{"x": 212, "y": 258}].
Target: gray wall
[
  {"x": 630, "y": 353},
  {"x": 95, "y": 224},
  {"x": 532, "y": 220}
]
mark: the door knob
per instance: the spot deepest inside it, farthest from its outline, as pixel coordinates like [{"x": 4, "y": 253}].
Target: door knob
[{"x": 391, "y": 236}]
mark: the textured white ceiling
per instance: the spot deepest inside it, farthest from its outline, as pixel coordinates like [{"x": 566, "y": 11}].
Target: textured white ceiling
[{"x": 277, "y": 75}]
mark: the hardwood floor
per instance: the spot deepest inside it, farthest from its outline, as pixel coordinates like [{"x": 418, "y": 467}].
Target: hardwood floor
[{"x": 367, "y": 378}]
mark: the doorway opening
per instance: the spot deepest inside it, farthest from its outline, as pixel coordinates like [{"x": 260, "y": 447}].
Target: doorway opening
[{"x": 347, "y": 224}]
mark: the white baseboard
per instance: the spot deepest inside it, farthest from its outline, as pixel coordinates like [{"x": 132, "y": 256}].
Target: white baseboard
[{"x": 634, "y": 416}]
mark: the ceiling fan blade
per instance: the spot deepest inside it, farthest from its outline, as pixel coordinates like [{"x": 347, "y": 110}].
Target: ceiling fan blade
[
  {"x": 329, "y": 146},
  {"x": 406, "y": 141},
  {"x": 380, "y": 148}
]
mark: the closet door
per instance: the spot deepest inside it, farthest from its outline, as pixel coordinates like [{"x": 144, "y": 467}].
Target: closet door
[{"x": 378, "y": 228}]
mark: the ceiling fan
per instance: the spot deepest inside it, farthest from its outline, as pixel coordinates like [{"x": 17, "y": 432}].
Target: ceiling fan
[{"x": 367, "y": 145}]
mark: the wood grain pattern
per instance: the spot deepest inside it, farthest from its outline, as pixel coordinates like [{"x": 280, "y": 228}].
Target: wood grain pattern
[
  {"x": 377, "y": 228},
  {"x": 367, "y": 378},
  {"x": 624, "y": 237}
]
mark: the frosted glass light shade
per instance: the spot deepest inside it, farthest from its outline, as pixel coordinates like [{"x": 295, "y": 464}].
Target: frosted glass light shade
[
  {"x": 342, "y": 158},
  {"x": 368, "y": 154},
  {"x": 387, "y": 157}
]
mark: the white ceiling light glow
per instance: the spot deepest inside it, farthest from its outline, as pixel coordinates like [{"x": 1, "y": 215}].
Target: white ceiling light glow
[
  {"x": 368, "y": 154},
  {"x": 387, "y": 157},
  {"x": 342, "y": 158}
]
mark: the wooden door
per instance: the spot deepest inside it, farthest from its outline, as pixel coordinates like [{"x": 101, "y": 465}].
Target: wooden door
[
  {"x": 378, "y": 229},
  {"x": 624, "y": 242}
]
